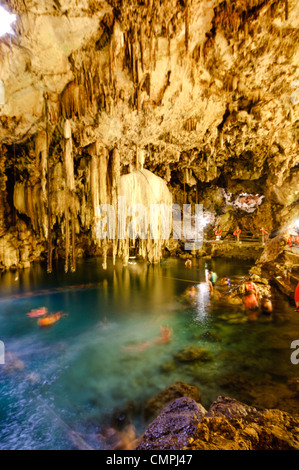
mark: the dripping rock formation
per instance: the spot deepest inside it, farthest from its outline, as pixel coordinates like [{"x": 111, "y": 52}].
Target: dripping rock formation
[{"x": 202, "y": 94}]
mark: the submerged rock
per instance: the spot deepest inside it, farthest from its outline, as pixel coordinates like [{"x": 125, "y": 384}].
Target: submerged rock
[
  {"x": 193, "y": 353},
  {"x": 177, "y": 390}
]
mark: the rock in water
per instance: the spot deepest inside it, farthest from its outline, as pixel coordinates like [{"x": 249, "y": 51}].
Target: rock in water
[
  {"x": 228, "y": 425},
  {"x": 193, "y": 353},
  {"x": 178, "y": 390},
  {"x": 173, "y": 428}
]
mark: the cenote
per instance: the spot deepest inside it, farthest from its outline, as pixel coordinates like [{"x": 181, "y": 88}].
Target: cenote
[{"x": 101, "y": 362}]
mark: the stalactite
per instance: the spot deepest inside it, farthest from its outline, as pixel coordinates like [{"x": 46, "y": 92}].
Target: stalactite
[
  {"x": 187, "y": 19},
  {"x": 49, "y": 212},
  {"x": 103, "y": 166},
  {"x": 110, "y": 62},
  {"x": 286, "y": 11},
  {"x": 3, "y": 179},
  {"x": 74, "y": 100},
  {"x": 221, "y": 139},
  {"x": 115, "y": 186},
  {"x": 141, "y": 45},
  {"x": 73, "y": 267},
  {"x": 94, "y": 179},
  {"x": 67, "y": 239},
  {"x": 103, "y": 173},
  {"x": 69, "y": 187},
  {"x": 151, "y": 48},
  {"x": 14, "y": 215}
]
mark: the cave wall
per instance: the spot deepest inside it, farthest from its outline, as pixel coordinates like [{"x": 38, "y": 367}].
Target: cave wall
[{"x": 203, "y": 92}]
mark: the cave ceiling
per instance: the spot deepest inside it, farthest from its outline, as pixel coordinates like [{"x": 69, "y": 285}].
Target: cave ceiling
[{"x": 206, "y": 90}]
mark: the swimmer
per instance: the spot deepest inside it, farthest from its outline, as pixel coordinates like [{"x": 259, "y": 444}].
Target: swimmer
[
  {"x": 251, "y": 305},
  {"x": 188, "y": 263},
  {"x": 250, "y": 286},
  {"x": 166, "y": 335},
  {"x": 191, "y": 292},
  {"x": 266, "y": 306},
  {"x": 138, "y": 347}
]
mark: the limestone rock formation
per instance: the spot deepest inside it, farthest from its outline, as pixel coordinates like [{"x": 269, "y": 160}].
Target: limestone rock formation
[
  {"x": 204, "y": 94},
  {"x": 228, "y": 425},
  {"x": 156, "y": 404}
]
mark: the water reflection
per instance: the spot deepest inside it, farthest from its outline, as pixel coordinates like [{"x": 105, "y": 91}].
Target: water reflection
[{"x": 118, "y": 344}]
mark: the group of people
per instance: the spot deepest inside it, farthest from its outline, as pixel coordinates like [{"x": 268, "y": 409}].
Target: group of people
[{"x": 252, "y": 301}]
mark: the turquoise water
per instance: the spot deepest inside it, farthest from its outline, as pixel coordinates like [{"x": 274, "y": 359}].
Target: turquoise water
[{"x": 99, "y": 364}]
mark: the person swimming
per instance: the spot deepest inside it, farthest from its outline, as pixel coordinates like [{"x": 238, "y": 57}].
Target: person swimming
[
  {"x": 191, "y": 292},
  {"x": 250, "y": 286},
  {"x": 166, "y": 335},
  {"x": 266, "y": 306},
  {"x": 188, "y": 263},
  {"x": 251, "y": 304}
]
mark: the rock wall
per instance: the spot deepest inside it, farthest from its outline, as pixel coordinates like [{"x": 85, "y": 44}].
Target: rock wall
[{"x": 203, "y": 93}]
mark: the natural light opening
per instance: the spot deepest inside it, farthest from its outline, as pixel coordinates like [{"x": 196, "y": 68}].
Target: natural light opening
[{"x": 6, "y": 21}]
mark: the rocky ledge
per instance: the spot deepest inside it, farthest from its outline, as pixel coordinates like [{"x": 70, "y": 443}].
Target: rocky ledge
[{"x": 184, "y": 424}]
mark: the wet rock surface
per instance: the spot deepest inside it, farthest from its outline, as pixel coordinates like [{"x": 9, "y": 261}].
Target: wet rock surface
[
  {"x": 177, "y": 390},
  {"x": 227, "y": 425},
  {"x": 193, "y": 353},
  {"x": 173, "y": 428}
]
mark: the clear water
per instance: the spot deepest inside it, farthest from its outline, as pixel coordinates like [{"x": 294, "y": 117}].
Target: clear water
[{"x": 101, "y": 360}]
